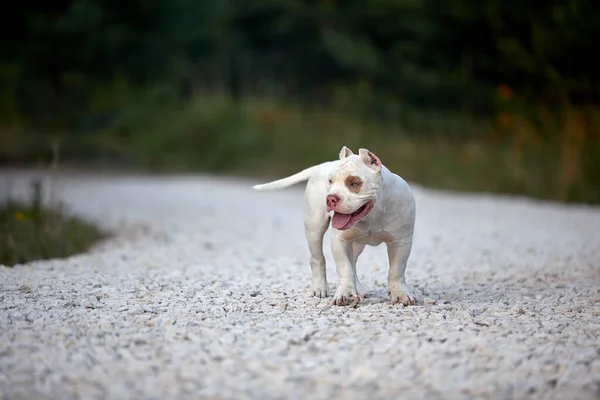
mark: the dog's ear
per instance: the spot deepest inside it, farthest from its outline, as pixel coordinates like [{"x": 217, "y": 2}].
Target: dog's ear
[
  {"x": 345, "y": 152},
  {"x": 370, "y": 159}
]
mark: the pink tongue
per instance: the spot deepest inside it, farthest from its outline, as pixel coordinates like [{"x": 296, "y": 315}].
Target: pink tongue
[{"x": 339, "y": 221}]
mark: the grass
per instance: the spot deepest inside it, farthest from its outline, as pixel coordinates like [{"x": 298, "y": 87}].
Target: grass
[
  {"x": 30, "y": 230},
  {"x": 271, "y": 139},
  {"x": 547, "y": 155}
]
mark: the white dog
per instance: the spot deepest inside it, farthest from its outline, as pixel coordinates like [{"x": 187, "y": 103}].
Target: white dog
[{"x": 371, "y": 205}]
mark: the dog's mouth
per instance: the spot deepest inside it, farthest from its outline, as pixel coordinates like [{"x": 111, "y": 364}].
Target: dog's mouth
[{"x": 345, "y": 221}]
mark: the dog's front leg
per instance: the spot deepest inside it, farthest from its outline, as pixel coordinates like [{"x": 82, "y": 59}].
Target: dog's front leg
[
  {"x": 398, "y": 253},
  {"x": 346, "y": 292}
]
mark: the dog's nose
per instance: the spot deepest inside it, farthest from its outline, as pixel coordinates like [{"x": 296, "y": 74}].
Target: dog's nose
[{"x": 332, "y": 201}]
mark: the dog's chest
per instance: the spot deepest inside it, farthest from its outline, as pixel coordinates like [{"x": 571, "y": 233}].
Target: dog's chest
[{"x": 367, "y": 236}]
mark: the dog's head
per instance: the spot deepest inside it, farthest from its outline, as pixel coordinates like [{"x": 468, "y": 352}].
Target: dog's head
[{"x": 353, "y": 187}]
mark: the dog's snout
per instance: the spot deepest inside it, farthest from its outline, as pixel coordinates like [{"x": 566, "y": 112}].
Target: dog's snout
[{"x": 332, "y": 201}]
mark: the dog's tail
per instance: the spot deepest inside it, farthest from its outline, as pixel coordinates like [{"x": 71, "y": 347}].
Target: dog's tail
[{"x": 289, "y": 181}]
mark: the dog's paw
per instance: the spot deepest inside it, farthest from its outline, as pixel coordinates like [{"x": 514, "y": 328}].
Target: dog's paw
[
  {"x": 346, "y": 297},
  {"x": 320, "y": 289},
  {"x": 401, "y": 294},
  {"x": 320, "y": 292}
]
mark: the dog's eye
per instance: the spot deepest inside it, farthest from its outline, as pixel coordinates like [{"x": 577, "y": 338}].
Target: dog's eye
[
  {"x": 330, "y": 181},
  {"x": 355, "y": 183}
]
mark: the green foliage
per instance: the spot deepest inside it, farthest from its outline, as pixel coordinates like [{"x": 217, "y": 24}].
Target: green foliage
[
  {"x": 269, "y": 138},
  {"x": 426, "y": 54},
  {"x": 200, "y": 134},
  {"x": 32, "y": 231}
]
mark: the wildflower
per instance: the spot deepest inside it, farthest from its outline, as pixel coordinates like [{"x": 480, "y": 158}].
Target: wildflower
[
  {"x": 505, "y": 119},
  {"x": 20, "y": 216},
  {"x": 505, "y": 91},
  {"x": 267, "y": 118}
]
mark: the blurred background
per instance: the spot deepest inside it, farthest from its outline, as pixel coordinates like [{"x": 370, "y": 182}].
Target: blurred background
[{"x": 457, "y": 94}]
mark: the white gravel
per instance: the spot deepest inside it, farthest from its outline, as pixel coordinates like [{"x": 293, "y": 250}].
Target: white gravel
[{"x": 204, "y": 294}]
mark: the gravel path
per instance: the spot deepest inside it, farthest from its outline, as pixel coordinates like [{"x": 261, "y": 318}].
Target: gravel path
[{"x": 204, "y": 294}]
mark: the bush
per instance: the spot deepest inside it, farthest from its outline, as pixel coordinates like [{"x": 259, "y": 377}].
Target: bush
[
  {"x": 537, "y": 153},
  {"x": 32, "y": 231},
  {"x": 268, "y": 138}
]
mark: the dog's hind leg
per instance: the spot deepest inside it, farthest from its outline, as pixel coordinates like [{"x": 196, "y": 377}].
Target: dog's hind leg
[
  {"x": 316, "y": 222},
  {"x": 398, "y": 254}
]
